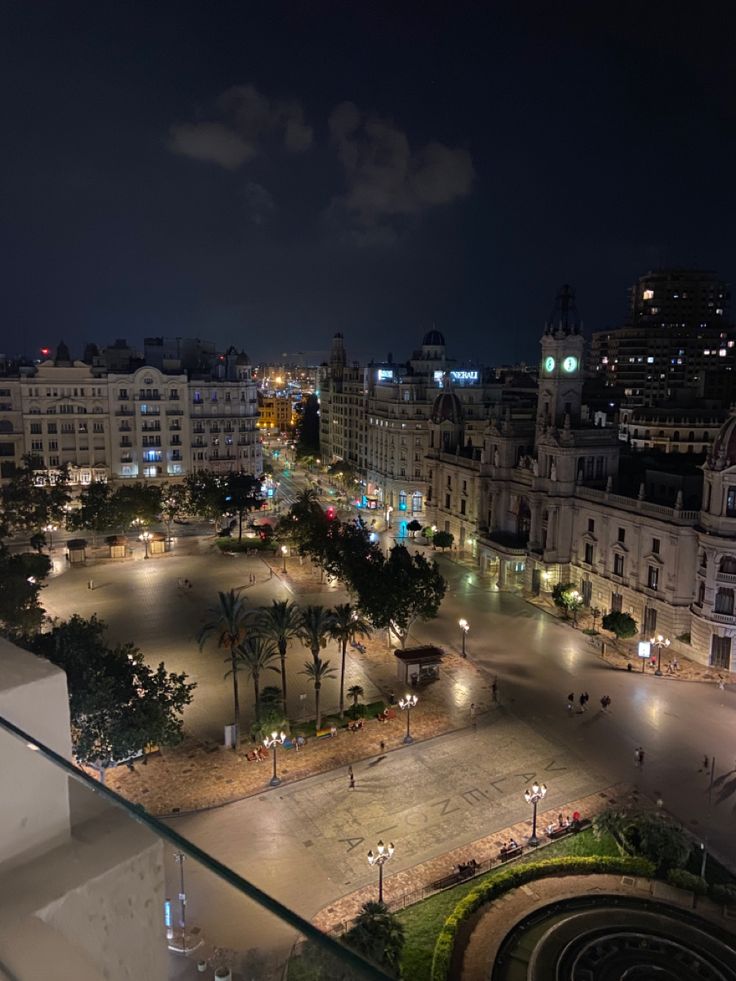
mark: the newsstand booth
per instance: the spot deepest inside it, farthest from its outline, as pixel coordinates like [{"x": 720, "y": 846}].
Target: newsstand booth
[{"x": 417, "y": 666}]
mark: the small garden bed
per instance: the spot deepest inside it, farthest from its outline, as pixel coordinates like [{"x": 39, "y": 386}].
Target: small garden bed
[
  {"x": 247, "y": 545},
  {"x": 369, "y": 711}
]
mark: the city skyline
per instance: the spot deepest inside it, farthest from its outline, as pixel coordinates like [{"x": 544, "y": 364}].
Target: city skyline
[{"x": 263, "y": 182}]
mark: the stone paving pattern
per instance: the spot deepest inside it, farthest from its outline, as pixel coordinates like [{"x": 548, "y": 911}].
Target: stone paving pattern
[{"x": 406, "y": 886}]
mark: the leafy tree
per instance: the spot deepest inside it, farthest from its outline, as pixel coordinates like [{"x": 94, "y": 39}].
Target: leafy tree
[
  {"x": 118, "y": 705},
  {"x": 242, "y": 495},
  {"x": 355, "y": 692},
  {"x": 414, "y": 526},
  {"x": 649, "y": 834},
  {"x": 401, "y": 590},
  {"x": 37, "y": 541},
  {"x": 622, "y": 625},
  {"x": 347, "y": 626},
  {"x": 317, "y": 670},
  {"x": 443, "y": 539},
  {"x": 280, "y": 623},
  {"x": 254, "y": 656},
  {"x": 566, "y": 597},
  {"x": 21, "y": 581},
  {"x": 315, "y": 628},
  {"x": 174, "y": 504},
  {"x": 34, "y": 497},
  {"x": 228, "y": 624},
  {"x": 378, "y": 935},
  {"x": 136, "y": 504},
  {"x": 205, "y": 494},
  {"x": 96, "y": 511}
]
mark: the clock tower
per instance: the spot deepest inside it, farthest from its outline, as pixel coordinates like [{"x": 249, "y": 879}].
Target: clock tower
[{"x": 561, "y": 368}]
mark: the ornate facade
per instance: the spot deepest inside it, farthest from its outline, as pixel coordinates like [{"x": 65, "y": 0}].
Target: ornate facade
[{"x": 535, "y": 505}]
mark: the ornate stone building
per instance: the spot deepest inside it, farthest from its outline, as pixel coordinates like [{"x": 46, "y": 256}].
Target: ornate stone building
[{"x": 536, "y": 505}]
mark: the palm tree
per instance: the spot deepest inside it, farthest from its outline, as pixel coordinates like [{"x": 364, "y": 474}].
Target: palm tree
[
  {"x": 255, "y": 655},
  {"x": 355, "y": 692},
  {"x": 315, "y": 626},
  {"x": 228, "y": 623},
  {"x": 378, "y": 935},
  {"x": 279, "y": 623},
  {"x": 317, "y": 670},
  {"x": 347, "y": 625}
]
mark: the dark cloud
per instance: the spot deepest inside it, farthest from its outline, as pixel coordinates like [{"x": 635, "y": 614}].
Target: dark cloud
[
  {"x": 386, "y": 178},
  {"x": 240, "y": 123}
]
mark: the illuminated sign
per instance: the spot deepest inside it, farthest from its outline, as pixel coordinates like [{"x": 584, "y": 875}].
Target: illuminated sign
[
  {"x": 385, "y": 374},
  {"x": 438, "y": 376},
  {"x": 645, "y": 648},
  {"x": 464, "y": 376}
]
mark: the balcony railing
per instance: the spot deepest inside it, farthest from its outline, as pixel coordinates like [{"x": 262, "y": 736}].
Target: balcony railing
[{"x": 88, "y": 856}]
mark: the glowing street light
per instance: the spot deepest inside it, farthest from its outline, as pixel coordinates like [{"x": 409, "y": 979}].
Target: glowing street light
[
  {"x": 538, "y": 792},
  {"x": 464, "y": 628},
  {"x": 50, "y": 529},
  {"x": 659, "y": 641},
  {"x": 283, "y": 556},
  {"x": 271, "y": 742},
  {"x": 145, "y": 537},
  {"x": 407, "y": 703},
  {"x": 381, "y": 855}
]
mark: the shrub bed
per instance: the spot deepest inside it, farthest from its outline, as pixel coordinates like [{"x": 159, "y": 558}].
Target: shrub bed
[
  {"x": 248, "y": 544},
  {"x": 370, "y": 711},
  {"x": 511, "y": 878},
  {"x": 686, "y": 880}
]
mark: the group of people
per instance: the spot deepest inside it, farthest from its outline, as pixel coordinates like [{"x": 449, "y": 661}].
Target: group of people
[
  {"x": 466, "y": 869},
  {"x": 583, "y": 700},
  {"x": 510, "y": 846},
  {"x": 564, "y": 823}
]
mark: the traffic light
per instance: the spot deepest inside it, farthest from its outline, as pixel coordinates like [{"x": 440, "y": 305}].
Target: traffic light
[{"x": 330, "y": 514}]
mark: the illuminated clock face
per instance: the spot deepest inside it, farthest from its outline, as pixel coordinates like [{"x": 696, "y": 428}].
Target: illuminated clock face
[
  {"x": 570, "y": 364},
  {"x": 549, "y": 365}
]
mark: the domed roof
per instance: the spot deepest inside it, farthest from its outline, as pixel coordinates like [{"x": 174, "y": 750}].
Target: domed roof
[
  {"x": 447, "y": 408},
  {"x": 723, "y": 451},
  {"x": 242, "y": 358},
  {"x": 433, "y": 338}
]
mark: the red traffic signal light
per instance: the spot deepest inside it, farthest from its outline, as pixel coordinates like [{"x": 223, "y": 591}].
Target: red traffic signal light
[{"x": 330, "y": 514}]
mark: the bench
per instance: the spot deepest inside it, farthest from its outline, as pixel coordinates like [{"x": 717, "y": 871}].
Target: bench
[
  {"x": 508, "y": 853},
  {"x": 325, "y": 733},
  {"x": 389, "y": 713},
  {"x": 569, "y": 829}
]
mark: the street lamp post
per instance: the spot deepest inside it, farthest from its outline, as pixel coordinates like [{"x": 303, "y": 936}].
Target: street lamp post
[
  {"x": 576, "y": 599},
  {"x": 659, "y": 642},
  {"x": 145, "y": 537},
  {"x": 283, "y": 558},
  {"x": 407, "y": 703},
  {"x": 271, "y": 742},
  {"x": 50, "y": 529},
  {"x": 180, "y": 858},
  {"x": 381, "y": 855},
  {"x": 464, "y": 627},
  {"x": 538, "y": 792}
]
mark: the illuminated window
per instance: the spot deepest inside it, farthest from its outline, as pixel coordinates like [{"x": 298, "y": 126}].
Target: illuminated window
[{"x": 648, "y": 295}]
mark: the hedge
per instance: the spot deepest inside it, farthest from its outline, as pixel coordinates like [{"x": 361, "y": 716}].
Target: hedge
[
  {"x": 510, "y": 878},
  {"x": 687, "y": 880}
]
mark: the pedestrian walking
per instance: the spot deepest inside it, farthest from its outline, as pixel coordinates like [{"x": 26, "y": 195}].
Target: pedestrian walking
[
  {"x": 494, "y": 689},
  {"x": 472, "y": 716},
  {"x": 706, "y": 763},
  {"x": 350, "y": 772},
  {"x": 581, "y": 702},
  {"x": 721, "y": 683},
  {"x": 636, "y": 757},
  {"x": 383, "y": 747},
  {"x": 604, "y": 704},
  {"x": 352, "y": 782}
]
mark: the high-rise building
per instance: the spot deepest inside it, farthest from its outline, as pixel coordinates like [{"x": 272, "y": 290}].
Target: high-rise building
[
  {"x": 342, "y": 409},
  {"x": 678, "y": 339}
]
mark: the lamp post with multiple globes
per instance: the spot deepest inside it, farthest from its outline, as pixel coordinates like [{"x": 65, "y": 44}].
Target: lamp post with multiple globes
[
  {"x": 464, "y": 628},
  {"x": 271, "y": 742},
  {"x": 407, "y": 703},
  {"x": 145, "y": 537},
  {"x": 537, "y": 792},
  {"x": 659, "y": 641},
  {"x": 381, "y": 855}
]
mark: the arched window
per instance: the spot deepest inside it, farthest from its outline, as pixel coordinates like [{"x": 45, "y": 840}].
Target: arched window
[
  {"x": 416, "y": 502},
  {"x": 691, "y": 436},
  {"x": 724, "y": 602},
  {"x": 402, "y": 500},
  {"x": 701, "y": 593},
  {"x": 728, "y": 565},
  {"x": 676, "y": 436}
]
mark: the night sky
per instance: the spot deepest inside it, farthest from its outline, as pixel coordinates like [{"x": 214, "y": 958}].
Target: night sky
[{"x": 266, "y": 174}]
